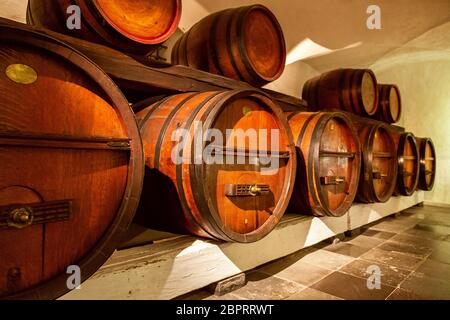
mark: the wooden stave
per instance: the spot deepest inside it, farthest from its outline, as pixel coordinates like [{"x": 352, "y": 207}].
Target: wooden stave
[
  {"x": 239, "y": 64},
  {"x": 314, "y": 202},
  {"x": 423, "y": 185},
  {"x": 401, "y": 188},
  {"x": 384, "y": 112},
  {"x": 94, "y": 26},
  {"x": 200, "y": 223},
  {"x": 343, "y": 91},
  {"x": 366, "y": 192},
  {"x": 109, "y": 241}
]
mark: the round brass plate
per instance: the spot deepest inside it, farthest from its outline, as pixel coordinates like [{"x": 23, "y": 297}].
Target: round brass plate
[
  {"x": 21, "y": 73},
  {"x": 246, "y": 111}
]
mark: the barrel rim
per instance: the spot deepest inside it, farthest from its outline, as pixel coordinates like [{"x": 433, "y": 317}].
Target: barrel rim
[
  {"x": 283, "y": 202},
  {"x": 422, "y": 149},
  {"x": 350, "y": 197},
  {"x": 321, "y": 208},
  {"x": 299, "y": 200},
  {"x": 108, "y": 241},
  {"x": 395, "y": 120},
  {"x": 282, "y": 39},
  {"x": 384, "y": 113},
  {"x": 402, "y": 188},
  {"x": 193, "y": 224},
  {"x": 360, "y": 97},
  {"x": 148, "y": 41},
  {"x": 207, "y": 224},
  {"x": 368, "y": 163}
]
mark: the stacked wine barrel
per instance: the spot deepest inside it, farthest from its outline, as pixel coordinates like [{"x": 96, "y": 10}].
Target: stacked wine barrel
[
  {"x": 328, "y": 163},
  {"x": 408, "y": 164},
  {"x": 394, "y": 162},
  {"x": 128, "y": 25},
  {"x": 355, "y": 91},
  {"x": 227, "y": 200},
  {"x": 72, "y": 165},
  {"x": 245, "y": 44},
  {"x": 379, "y": 169},
  {"x": 350, "y": 90},
  {"x": 389, "y": 103},
  {"x": 427, "y": 156},
  {"x": 78, "y": 165},
  {"x": 71, "y": 151}
]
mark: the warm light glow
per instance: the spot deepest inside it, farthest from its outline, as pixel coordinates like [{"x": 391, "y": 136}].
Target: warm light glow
[{"x": 308, "y": 49}]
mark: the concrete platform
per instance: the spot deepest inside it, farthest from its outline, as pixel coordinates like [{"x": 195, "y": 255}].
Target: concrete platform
[{"x": 178, "y": 265}]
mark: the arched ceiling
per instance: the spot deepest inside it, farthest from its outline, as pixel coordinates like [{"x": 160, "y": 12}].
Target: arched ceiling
[
  {"x": 337, "y": 24},
  {"x": 337, "y": 27}
]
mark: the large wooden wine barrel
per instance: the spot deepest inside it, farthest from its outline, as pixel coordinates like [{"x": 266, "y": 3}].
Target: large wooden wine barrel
[
  {"x": 245, "y": 44},
  {"x": 379, "y": 166},
  {"x": 428, "y": 161},
  {"x": 329, "y": 162},
  {"x": 128, "y": 25},
  {"x": 242, "y": 194},
  {"x": 408, "y": 165},
  {"x": 351, "y": 90},
  {"x": 389, "y": 103},
  {"x": 71, "y": 165}
]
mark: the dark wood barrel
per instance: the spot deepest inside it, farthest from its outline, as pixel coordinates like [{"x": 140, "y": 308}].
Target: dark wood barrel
[
  {"x": 379, "y": 166},
  {"x": 427, "y": 171},
  {"x": 329, "y": 162},
  {"x": 389, "y": 103},
  {"x": 71, "y": 165},
  {"x": 408, "y": 165},
  {"x": 129, "y": 25},
  {"x": 351, "y": 90},
  {"x": 245, "y": 44},
  {"x": 242, "y": 194}
]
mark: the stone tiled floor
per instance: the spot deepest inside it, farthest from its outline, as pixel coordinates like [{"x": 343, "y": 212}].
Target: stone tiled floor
[{"x": 412, "y": 251}]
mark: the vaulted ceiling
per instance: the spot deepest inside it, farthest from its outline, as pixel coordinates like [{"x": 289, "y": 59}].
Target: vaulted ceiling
[{"x": 338, "y": 24}]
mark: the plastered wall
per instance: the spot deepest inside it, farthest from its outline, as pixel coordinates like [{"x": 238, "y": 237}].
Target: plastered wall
[{"x": 421, "y": 69}]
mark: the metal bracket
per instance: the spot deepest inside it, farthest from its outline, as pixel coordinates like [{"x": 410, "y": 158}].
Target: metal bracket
[
  {"x": 246, "y": 190},
  {"x": 155, "y": 54},
  {"x": 220, "y": 150},
  {"x": 407, "y": 174},
  {"x": 22, "y": 216},
  {"x": 337, "y": 154},
  {"x": 378, "y": 175},
  {"x": 332, "y": 180}
]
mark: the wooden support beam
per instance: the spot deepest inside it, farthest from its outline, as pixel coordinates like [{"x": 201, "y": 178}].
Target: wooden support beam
[{"x": 140, "y": 78}]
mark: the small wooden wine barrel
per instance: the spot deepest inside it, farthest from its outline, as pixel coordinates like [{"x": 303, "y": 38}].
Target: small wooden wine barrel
[
  {"x": 329, "y": 162},
  {"x": 71, "y": 165},
  {"x": 389, "y": 103},
  {"x": 351, "y": 90},
  {"x": 128, "y": 25},
  {"x": 408, "y": 165},
  {"x": 428, "y": 161},
  {"x": 230, "y": 187},
  {"x": 379, "y": 166},
  {"x": 245, "y": 44}
]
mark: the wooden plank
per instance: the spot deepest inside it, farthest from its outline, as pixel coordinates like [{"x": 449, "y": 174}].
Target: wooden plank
[
  {"x": 363, "y": 121},
  {"x": 138, "y": 75}
]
